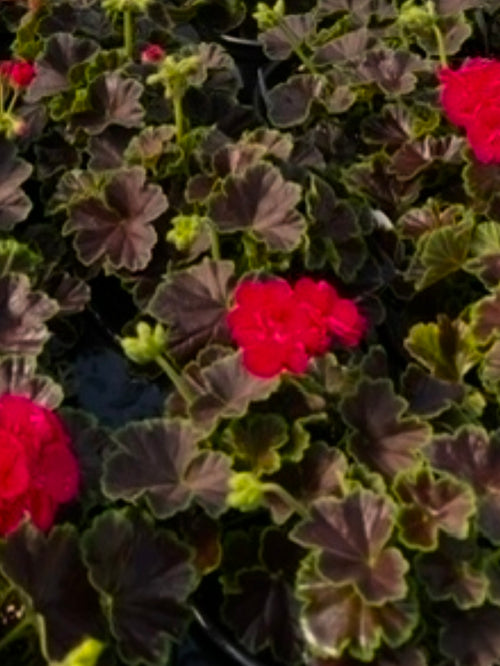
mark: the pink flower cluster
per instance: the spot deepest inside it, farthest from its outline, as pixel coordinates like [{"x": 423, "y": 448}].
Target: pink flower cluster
[
  {"x": 470, "y": 97},
  {"x": 280, "y": 328}
]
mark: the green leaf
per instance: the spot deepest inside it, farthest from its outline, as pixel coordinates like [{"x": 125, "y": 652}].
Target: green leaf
[
  {"x": 447, "y": 348},
  {"x": 337, "y": 618},
  {"x": 384, "y": 439},
  {"x": 145, "y": 605},
  {"x": 49, "y": 570},
  {"x": 485, "y": 252},
  {"x": 257, "y": 440},
  {"x": 430, "y": 504},
  {"x": 85, "y": 654},
  {"x": 472, "y": 456},
  {"x": 194, "y": 303},
  {"x": 160, "y": 460},
  {"x": 261, "y": 202},
  {"x": 351, "y": 534},
  {"x": 441, "y": 253}
]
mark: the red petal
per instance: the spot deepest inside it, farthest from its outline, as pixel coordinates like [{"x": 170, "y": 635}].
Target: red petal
[{"x": 264, "y": 360}]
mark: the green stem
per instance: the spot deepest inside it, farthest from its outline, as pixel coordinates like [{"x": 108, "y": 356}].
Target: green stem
[
  {"x": 175, "y": 378},
  {"x": 1, "y": 99},
  {"x": 179, "y": 117},
  {"x": 8, "y": 262},
  {"x": 443, "y": 59},
  {"x": 128, "y": 33},
  {"x": 15, "y": 632},
  {"x": 214, "y": 241},
  {"x": 297, "y": 48},
  {"x": 286, "y": 497},
  {"x": 13, "y": 101}
]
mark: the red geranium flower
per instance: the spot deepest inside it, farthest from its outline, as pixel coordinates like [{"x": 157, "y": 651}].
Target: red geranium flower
[
  {"x": 466, "y": 89},
  {"x": 280, "y": 328},
  {"x": 470, "y": 97},
  {"x": 152, "y": 53},
  {"x": 38, "y": 471}
]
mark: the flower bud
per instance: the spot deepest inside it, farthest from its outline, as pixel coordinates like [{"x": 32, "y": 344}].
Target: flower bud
[
  {"x": 147, "y": 346},
  {"x": 152, "y": 53}
]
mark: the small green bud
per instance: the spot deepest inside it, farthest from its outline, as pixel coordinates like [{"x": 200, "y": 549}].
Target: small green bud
[
  {"x": 177, "y": 74},
  {"x": 414, "y": 17},
  {"x": 11, "y": 125},
  {"x": 85, "y": 654},
  {"x": 147, "y": 346},
  {"x": 185, "y": 230},
  {"x": 268, "y": 17},
  {"x": 245, "y": 492}
]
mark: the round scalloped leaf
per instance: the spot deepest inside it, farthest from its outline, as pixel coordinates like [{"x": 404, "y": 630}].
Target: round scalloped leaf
[
  {"x": 71, "y": 293},
  {"x": 225, "y": 390},
  {"x": 62, "y": 51},
  {"x": 404, "y": 656},
  {"x": 447, "y": 349},
  {"x": 473, "y": 638},
  {"x": 490, "y": 367},
  {"x": 49, "y": 570},
  {"x": 114, "y": 100},
  {"x": 276, "y": 41},
  {"x": 472, "y": 456},
  {"x": 160, "y": 460},
  {"x": 256, "y": 441},
  {"x": 91, "y": 444},
  {"x": 427, "y": 395},
  {"x": 430, "y": 504},
  {"x": 440, "y": 253},
  {"x": 351, "y": 534},
  {"x": 454, "y": 571},
  {"x": 485, "y": 317},
  {"x": 144, "y": 576},
  {"x": 23, "y": 313},
  {"x": 335, "y": 619},
  {"x": 194, "y": 303},
  {"x": 485, "y": 253},
  {"x": 15, "y": 205},
  {"x": 320, "y": 473},
  {"x": 384, "y": 439},
  {"x": 18, "y": 376},
  {"x": 391, "y": 70},
  {"x": 117, "y": 228},
  {"x": 289, "y": 103},
  {"x": 262, "y": 202},
  {"x": 261, "y": 609}
]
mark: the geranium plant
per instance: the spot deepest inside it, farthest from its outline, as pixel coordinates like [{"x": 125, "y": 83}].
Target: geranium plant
[{"x": 309, "y": 281}]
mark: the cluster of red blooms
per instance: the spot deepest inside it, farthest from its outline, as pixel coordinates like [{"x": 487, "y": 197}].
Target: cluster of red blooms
[
  {"x": 470, "y": 97},
  {"x": 38, "y": 470},
  {"x": 280, "y": 328},
  {"x": 17, "y": 73}
]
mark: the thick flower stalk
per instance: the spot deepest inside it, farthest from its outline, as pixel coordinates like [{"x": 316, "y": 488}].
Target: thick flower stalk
[
  {"x": 280, "y": 328},
  {"x": 470, "y": 97},
  {"x": 38, "y": 470}
]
